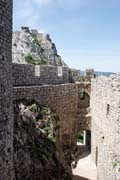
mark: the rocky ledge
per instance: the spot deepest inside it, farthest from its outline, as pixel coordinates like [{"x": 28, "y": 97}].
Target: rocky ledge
[
  {"x": 35, "y": 134},
  {"x": 30, "y": 46}
]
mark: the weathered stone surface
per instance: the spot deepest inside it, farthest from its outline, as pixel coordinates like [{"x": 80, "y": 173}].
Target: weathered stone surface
[
  {"x": 105, "y": 106},
  {"x": 25, "y": 74},
  {"x": 89, "y": 73},
  {"x": 6, "y": 111},
  {"x": 68, "y": 101},
  {"x": 37, "y": 48},
  {"x": 74, "y": 75},
  {"x": 64, "y": 99}
]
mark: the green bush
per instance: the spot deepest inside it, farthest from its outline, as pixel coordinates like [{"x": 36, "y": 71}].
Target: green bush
[
  {"x": 42, "y": 62},
  {"x": 51, "y": 139},
  {"x": 29, "y": 59},
  {"x": 34, "y": 108},
  {"x": 115, "y": 164}
]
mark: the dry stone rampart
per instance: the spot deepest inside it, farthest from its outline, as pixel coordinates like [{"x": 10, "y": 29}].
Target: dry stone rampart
[
  {"x": 27, "y": 75},
  {"x": 6, "y": 111},
  {"x": 61, "y": 98},
  {"x": 74, "y": 75},
  {"x": 64, "y": 99},
  {"x": 105, "y": 107}
]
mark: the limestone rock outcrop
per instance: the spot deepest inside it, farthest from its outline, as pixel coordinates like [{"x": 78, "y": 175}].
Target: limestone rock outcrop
[
  {"x": 30, "y": 46},
  {"x": 35, "y": 154}
]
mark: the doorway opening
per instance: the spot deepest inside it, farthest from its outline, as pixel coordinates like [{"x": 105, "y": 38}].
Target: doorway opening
[{"x": 84, "y": 139}]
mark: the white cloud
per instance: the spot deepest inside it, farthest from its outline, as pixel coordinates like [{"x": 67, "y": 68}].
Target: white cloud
[
  {"x": 27, "y": 15},
  {"x": 43, "y": 2},
  {"x": 72, "y": 4},
  {"x": 28, "y": 12}
]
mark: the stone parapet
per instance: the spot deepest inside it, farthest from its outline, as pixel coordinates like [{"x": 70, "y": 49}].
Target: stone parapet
[{"x": 29, "y": 75}]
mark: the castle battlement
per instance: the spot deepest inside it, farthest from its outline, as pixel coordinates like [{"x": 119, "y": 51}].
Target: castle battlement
[
  {"x": 55, "y": 87},
  {"x": 28, "y": 74}
]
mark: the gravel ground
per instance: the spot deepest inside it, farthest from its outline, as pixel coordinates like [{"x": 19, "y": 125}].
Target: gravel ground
[{"x": 85, "y": 170}]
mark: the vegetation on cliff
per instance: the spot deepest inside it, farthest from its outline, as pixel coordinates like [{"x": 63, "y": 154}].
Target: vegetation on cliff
[
  {"x": 30, "y": 60},
  {"x": 34, "y": 48},
  {"x": 35, "y": 134}
]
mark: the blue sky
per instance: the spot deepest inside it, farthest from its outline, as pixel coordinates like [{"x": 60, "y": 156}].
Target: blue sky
[{"x": 86, "y": 32}]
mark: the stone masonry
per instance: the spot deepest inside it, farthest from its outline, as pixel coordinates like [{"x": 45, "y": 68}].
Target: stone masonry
[
  {"x": 64, "y": 99},
  {"x": 6, "y": 113},
  {"x": 71, "y": 102},
  {"x": 105, "y": 106},
  {"x": 29, "y": 75},
  {"x": 27, "y": 81}
]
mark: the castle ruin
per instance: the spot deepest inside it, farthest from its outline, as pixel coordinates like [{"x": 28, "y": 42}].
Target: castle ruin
[{"x": 81, "y": 104}]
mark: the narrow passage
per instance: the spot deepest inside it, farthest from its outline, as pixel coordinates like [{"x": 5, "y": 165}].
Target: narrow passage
[{"x": 85, "y": 170}]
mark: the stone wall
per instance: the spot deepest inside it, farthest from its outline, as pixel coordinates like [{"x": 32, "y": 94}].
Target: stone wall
[
  {"x": 64, "y": 100},
  {"x": 60, "y": 98},
  {"x": 6, "y": 119},
  {"x": 26, "y": 75},
  {"x": 89, "y": 73},
  {"x": 83, "y": 116},
  {"x": 74, "y": 75},
  {"x": 105, "y": 107}
]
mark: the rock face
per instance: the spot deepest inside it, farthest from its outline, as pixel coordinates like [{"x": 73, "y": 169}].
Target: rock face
[
  {"x": 35, "y": 156},
  {"x": 34, "y": 48}
]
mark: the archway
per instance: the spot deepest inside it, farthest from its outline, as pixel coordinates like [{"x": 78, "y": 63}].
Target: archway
[
  {"x": 83, "y": 119},
  {"x": 83, "y": 99},
  {"x": 83, "y": 133},
  {"x": 83, "y": 165},
  {"x": 84, "y": 138}
]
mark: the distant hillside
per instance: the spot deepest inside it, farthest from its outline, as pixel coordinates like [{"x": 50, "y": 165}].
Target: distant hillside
[
  {"x": 103, "y": 73},
  {"x": 99, "y": 73},
  {"x": 30, "y": 46}
]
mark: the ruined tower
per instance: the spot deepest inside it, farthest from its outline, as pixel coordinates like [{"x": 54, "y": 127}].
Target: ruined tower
[{"x": 6, "y": 114}]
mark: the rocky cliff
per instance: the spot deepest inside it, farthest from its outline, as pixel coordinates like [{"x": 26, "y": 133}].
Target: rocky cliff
[
  {"x": 29, "y": 46},
  {"x": 35, "y": 136}
]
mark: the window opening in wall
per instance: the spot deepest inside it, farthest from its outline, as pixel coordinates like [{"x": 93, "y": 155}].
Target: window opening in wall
[
  {"x": 96, "y": 158},
  {"x": 84, "y": 138},
  {"x": 83, "y": 147},
  {"x": 81, "y": 138},
  {"x": 108, "y": 109}
]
